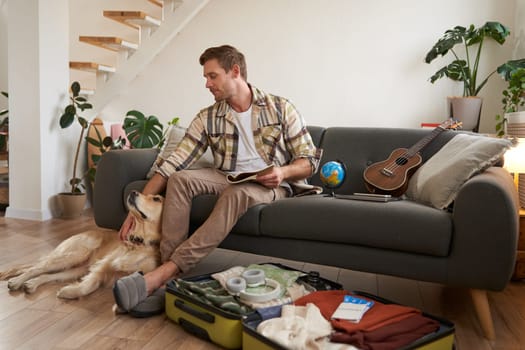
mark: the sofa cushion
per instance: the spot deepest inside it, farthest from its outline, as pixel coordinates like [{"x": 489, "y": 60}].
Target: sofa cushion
[
  {"x": 437, "y": 182},
  {"x": 399, "y": 225},
  {"x": 174, "y": 136}
]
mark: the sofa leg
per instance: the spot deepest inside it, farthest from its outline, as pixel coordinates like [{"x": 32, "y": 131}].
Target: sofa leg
[{"x": 482, "y": 308}]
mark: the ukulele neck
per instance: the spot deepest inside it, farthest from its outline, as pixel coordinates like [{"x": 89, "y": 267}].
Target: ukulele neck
[{"x": 424, "y": 141}]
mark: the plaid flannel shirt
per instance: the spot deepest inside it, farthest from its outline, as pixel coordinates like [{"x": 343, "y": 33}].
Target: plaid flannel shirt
[{"x": 280, "y": 136}]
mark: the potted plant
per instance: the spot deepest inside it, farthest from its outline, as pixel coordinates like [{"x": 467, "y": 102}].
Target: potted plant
[
  {"x": 464, "y": 68},
  {"x": 513, "y": 99},
  {"x": 72, "y": 202}
]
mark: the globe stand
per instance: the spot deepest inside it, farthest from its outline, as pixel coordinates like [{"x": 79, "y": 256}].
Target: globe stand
[{"x": 331, "y": 194}]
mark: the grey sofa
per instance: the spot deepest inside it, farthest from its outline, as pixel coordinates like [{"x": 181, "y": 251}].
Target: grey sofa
[{"x": 472, "y": 244}]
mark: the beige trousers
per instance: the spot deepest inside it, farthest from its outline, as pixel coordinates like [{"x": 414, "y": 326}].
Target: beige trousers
[{"x": 232, "y": 203}]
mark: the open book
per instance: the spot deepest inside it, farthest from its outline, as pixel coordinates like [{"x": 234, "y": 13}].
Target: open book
[{"x": 248, "y": 176}]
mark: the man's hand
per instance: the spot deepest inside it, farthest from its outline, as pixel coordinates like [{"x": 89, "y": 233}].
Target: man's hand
[
  {"x": 126, "y": 227},
  {"x": 272, "y": 179},
  {"x": 297, "y": 170}
]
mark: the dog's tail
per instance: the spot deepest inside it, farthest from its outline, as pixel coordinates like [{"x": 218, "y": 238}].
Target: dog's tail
[{"x": 12, "y": 272}]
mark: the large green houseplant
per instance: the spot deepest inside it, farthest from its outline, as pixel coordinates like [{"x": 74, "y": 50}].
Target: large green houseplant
[
  {"x": 76, "y": 196},
  {"x": 464, "y": 67},
  {"x": 69, "y": 116},
  {"x": 466, "y": 46},
  {"x": 72, "y": 202}
]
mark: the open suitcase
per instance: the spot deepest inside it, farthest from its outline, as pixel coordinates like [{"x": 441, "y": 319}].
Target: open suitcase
[
  {"x": 215, "y": 324},
  {"x": 442, "y": 339}
]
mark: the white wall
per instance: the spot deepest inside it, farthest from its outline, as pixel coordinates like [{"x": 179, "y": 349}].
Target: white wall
[
  {"x": 519, "y": 30},
  {"x": 343, "y": 62},
  {"x": 3, "y": 51},
  {"x": 38, "y": 76}
]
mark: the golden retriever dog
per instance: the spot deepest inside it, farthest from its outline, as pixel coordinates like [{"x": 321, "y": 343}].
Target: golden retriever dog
[{"x": 98, "y": 257}]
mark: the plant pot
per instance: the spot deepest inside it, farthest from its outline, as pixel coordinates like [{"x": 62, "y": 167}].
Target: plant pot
[
  {"x": 71, "y": 204},
  {"x": 466, "y": 110},
  {"x": 515, "y": 124}
]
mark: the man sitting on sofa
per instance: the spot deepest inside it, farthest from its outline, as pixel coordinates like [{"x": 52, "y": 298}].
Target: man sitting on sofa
[{"x": 247, "y": 129}]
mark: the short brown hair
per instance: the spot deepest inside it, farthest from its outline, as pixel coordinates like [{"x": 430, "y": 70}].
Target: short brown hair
[{"x": 227, "y": 56}]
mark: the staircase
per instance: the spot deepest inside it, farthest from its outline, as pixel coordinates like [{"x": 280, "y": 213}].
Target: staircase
[{"x": 153, "y": 34}]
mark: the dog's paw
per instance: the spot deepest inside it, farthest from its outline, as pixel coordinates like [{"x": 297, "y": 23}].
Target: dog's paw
[
  {"x": 30, "y": 286},
  {"x": 68, "y": 292},
  {"x": 14, "y": 283}
]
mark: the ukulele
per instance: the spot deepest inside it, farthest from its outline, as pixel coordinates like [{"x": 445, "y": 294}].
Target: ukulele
[{"x": 391, "y": 176}]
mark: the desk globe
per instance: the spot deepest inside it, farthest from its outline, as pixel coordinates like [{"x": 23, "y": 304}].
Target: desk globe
[{"x": 332, "y": 174}]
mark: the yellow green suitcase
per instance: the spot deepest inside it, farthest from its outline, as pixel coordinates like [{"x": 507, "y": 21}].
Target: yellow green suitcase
[
  {"x": 442, "y": 339},
  {"x": 214, "y": 324}
]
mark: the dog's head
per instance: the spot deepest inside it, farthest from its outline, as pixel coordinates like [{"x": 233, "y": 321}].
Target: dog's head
[{"x": 147, "y": 211}]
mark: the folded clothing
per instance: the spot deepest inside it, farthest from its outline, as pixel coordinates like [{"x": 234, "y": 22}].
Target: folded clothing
[
  {"x": 389, "y": 337},
  {"x": 299, "y": 327},
  {"x": 211, "y": 292},
  {"x": 384, "y": 326},
  {"x": 378, "y": 316}
]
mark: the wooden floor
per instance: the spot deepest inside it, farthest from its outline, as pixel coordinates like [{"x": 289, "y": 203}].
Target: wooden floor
[{"x": 41, "y": 321}]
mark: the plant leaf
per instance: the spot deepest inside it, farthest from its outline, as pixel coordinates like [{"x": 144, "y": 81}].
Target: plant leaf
[
  {"x": 509, "y": 67},
  {"x": 494, "y": 30},
  {"x": 107, "y": 141},
  {"x": 83, "y": 122},
  {"x": 66, "y": 119},
  {"x": 457, "y": 70},
  {"x": 449, "y": 39},
  {"x": 142, "y": 132},
  {"x": 75, "y": 88},
  {"x": 93, "y": 142},
  {"x": 85, "y": 106}
]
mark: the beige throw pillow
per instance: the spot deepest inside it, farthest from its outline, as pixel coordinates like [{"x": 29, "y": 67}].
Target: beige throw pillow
[
  {"x": 175, "y": 135},
  {"x": 437, "y": 182}
]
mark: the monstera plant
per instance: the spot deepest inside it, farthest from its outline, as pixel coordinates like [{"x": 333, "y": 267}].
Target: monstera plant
[
  {"x": 142, "y": 131},
  {"x": 466, "y": 45}
]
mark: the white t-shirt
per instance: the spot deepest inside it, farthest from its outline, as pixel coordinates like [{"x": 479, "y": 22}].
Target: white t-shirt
[{"x": 247, "y": 157}]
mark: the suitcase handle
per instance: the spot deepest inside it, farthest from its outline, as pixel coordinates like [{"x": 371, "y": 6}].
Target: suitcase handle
[{"x": 196, "y": 313}]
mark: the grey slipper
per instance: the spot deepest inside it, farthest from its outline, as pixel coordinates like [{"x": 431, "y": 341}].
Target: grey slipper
[
  {"x": 151, "y": 306},
  {"x": 129, "y": 291}
]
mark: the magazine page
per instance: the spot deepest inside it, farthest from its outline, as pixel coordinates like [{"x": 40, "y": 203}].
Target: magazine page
[{"x": 248, "y": 176}]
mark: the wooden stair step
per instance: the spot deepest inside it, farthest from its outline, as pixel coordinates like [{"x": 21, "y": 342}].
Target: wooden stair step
[
  {"x": 87, "y": 92},
  {"x": 91, "y": 67},
  {"x": 134, "y": 19},
  {"x": 112, "y": 43},
  {"x": 159, "y": 3}
]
